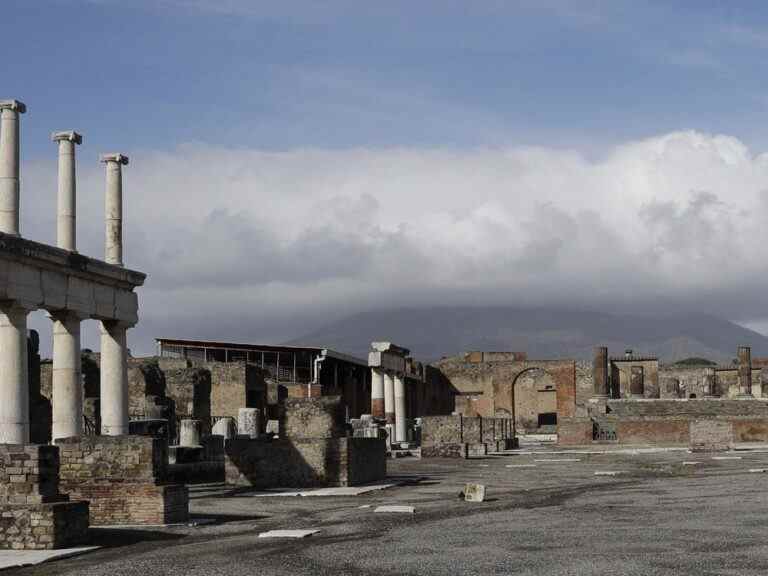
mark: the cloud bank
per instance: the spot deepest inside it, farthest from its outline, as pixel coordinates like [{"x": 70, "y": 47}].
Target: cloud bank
[{"x": 247, "y": 244}]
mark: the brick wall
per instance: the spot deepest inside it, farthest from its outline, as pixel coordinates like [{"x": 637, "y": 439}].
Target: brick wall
[
  {"x": 574, "y": 431},
  {"x": 34, "y": 515},
  {"x": 124, "y": 478}
]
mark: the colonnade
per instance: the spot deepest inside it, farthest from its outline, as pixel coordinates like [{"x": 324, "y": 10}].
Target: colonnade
[
  {"x": 388, "y": 400},
  {"x": 67, "y": 382}
]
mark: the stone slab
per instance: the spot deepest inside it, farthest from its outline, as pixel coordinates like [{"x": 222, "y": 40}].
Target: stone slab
[
  {"x": 396, "y": 509},
  {"x": 288, "y": 533},
  {"x": 334, "y": 491},
  {"x": 18, "y": 558}
]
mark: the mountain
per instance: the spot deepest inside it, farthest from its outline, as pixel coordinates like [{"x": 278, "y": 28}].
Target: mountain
[{"x": 432, "y": 333}]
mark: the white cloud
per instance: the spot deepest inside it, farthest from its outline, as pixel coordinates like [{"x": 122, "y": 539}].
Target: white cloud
[{"x": 249, "y": 244}]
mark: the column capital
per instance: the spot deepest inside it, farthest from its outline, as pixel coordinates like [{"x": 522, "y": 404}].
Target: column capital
[
  {"x": 15, "y": 105},
  {"x": 69, "y": 135},
  {"x": 114, "y": 157}
]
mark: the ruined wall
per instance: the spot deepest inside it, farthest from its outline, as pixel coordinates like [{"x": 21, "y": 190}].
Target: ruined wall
[
  {"x": 123, "y": 478},
  {"x": 486, "y": 388},
  {"x": 236, "y": 385},
  {"x": 621, "y": 372},
  {"x": 34, "y": 514},
  {"x": 190, "y": 390},
  {"x": 462, "y": 436},
  {"x": 304, "y": 462},
  {"x": 323, "y": 417}
]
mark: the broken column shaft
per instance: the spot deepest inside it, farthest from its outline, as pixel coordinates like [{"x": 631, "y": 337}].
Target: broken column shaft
[
  {"x": 9, "y": 165},
  {"x": 66, "y": 199}
]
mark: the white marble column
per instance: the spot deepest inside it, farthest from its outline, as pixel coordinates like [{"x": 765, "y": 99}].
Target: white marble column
[
  {"x": 114, "y": 379},
  {"x": 389, "y": 398},
  {"x": 400, "y": 409},
  {"x": 10, "y": 110},
  {"x": 14, "y": 387},
  {"x": 113, "y": 208},
  {"x": 66, "y": 234},
  {"x": 377, "y": 393},
  {"x": 67, "y": 382}
]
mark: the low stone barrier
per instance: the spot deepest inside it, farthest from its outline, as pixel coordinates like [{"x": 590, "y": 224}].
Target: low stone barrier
[
  {"x": 460, "y": 436},
  {"x": 34, "y": 515},
  {"x": 124, "y": 478}
]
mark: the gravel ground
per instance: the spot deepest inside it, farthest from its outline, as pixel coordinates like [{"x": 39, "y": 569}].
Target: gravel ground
[{"x": 543, "y": 515}]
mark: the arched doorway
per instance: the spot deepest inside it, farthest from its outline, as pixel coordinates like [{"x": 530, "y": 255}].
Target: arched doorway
[{"x": 534, "y": 398}]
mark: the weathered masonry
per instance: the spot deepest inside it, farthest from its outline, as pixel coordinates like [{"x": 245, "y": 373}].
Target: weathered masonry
[{"x": 300, "y": 372}]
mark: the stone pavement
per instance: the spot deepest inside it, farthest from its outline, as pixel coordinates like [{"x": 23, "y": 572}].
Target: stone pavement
[
  {"x": 657, "y": 516},
  {"x": 18, "y": 558}
]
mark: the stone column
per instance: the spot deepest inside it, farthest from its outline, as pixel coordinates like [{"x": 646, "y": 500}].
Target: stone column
[
  {"x": 67, "y": 382},
  {"x": 65, "y": 216},
  {"x": 600, "y": 372},
  {"x": 9, "y": 165},
  {"x": 637, "y": 382},
  {"x": 400, "y": 409},
  {"x": 14, "y": 385},
  {"x": 113, "y": 207},
  {"x": 389, "y": 398},
  {"x": 377, "y": 393},
  {"x": 114, "y": 379},
  {"x": 745, "y": 371}
]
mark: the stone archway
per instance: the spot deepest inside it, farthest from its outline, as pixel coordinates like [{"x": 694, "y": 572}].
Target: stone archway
[{"x": 534, "y": 400}]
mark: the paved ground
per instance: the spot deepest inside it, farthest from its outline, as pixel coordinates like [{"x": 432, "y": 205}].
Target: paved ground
[{"x": 551, "y": 517}]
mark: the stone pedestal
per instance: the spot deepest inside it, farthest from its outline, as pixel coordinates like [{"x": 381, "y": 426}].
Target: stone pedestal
[
  {"x": 249, "y": 422},
  {"x": 189, "y": 433},
  {"x": 124, "y": 478},
  {"x": 34, "y": 515},
  {"x": 226, "y": 427}
]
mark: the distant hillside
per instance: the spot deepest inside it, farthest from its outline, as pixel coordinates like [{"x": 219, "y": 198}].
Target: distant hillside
[{"x": 432, "y": 333}]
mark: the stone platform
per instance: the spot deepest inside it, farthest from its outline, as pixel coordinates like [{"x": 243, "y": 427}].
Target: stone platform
[{"x": 34, "y": 515}]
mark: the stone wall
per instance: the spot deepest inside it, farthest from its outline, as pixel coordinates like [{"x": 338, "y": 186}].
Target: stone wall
[
  {"x": 621, "y": 373},
  {"x": 124, "y": 478},
  {"x": 34, "y": 514},
  {"x": 323, "y": 417},
  {"x": 304, "y": 462},
  {"x": 485, "y": 388},
  {"x": 460, "y": 436}
]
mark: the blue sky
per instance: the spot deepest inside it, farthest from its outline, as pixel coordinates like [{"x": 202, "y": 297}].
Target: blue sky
[
  {"x": 294, "y": 162},
  {"x": 348, "y": 73}
]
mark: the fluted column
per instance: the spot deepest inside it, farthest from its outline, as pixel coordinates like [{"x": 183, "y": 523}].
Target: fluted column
[
  {"x": 400, "y": 408},
  {"x": 10, "y": 110},
  {"x": 389, "y": 398},
  {"x": 377, "y": 393},
  {"x": 14, "y": 387},
  {"x": 114, "y": 379},
  {"x": 66, "y": 234},
  {"x": 67, "y": 381},
  {"x": 113, "y": 208}
]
